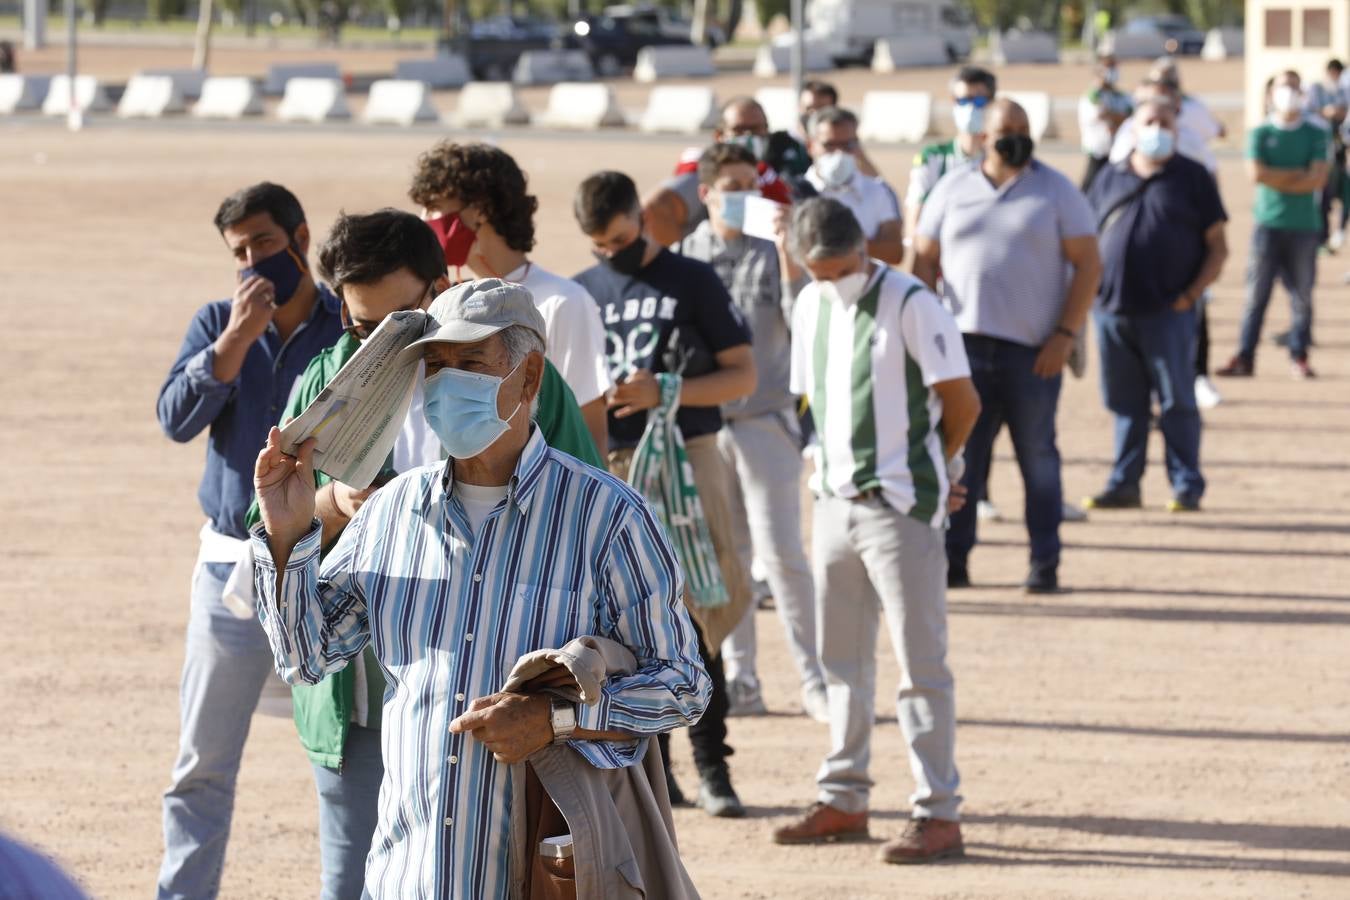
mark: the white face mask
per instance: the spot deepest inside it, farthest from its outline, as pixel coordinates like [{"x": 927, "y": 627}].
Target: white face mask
[
  {"x": 1286, "y": 98},
  {"x": 836, "y": 169},
  {"x": 847, "y": 290},
  {"x": 969, "y": 118}
]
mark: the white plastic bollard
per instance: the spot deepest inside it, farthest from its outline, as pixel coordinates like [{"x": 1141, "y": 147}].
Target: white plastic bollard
[
  {"x": 394, "y": 102},
  {"x": 151, "y": 97},
  {"x": 314, "y": 100},
  {"x": 581, "y": 106},
  {"x": 89, "y": 96},
  {"x": 489, "y": 104},
  {"x": 908, "y": 51},
  {"x": 655, "y": 63},
  {"x": 228, "y": 98},
  {"x": 679, "y": 109},
  {"x": 19, "y": 93},
  {"x": 896, "y": 117}
]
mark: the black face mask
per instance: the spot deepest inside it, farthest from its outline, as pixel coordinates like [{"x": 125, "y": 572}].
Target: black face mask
[
  {"x": 627, "y": 261},
  {"x": 1015, "y": 149}
]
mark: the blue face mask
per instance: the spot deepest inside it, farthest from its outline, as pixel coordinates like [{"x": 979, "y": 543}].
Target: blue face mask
[
  {"x": 732, "y": 207},
  {"x": 461, "y": 408},
  {"x": 284, "y": 270},
  {"x": 1156, "y": 143}
]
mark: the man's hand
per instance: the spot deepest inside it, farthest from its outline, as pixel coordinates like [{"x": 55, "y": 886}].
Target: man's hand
[
  {"x": 639, "y": 392},
  {"x": 1183, "y": 303},
  {"x": 251, "y": 310},
  {"x": 285, "y": 489},
  {"x": 956, "y": 498},
  {"x": 1054, "y": 356},
  {"x": 512, "y": 726}
]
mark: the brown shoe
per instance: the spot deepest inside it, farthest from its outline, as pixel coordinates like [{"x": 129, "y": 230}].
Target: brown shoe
[
  {"x": 823, "y": 824},
  {"x": 925, "y": 840}
]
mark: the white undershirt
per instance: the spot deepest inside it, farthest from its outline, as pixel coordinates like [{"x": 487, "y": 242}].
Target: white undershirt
[{"x": 479, "y": 500}]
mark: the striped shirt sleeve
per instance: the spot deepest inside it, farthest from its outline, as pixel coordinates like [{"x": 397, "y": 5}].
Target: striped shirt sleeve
[
  {"x": 642, "y": 589},
  {"x": 317, "y": 623}
]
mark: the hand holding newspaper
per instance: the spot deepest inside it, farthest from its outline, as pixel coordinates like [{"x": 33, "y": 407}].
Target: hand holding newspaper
[{"x": 356, "y": 419}]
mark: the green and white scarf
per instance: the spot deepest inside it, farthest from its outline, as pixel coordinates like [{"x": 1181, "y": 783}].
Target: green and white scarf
[{"x": 661, "y": 472}]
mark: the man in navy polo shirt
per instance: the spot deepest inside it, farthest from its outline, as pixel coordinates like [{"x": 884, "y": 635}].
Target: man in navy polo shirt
[{"x": 1162, "y": 243}]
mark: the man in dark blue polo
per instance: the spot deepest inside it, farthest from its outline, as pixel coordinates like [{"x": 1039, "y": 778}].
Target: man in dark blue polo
[
  {"x": 1161, "y": 226},
  {"x": 238, "y": 363}
]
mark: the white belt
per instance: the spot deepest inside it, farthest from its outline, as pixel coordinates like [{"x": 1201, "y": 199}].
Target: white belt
[{"x": 238, "y": 595}]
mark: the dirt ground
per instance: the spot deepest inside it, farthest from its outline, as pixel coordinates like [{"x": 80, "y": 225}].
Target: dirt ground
[{"x": 1174, "y": 726}]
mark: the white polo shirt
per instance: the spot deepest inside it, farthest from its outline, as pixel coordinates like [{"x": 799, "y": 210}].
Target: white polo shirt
[
  {"x": 872, "y": 202},
  {"x": 576, "y": 336},
  {"x": 868, "y": 369}
]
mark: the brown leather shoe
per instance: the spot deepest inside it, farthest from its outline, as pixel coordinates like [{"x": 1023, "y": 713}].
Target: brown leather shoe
[
  {"x": 823, "y": 824},
  {"x": 925, "y": 840}
]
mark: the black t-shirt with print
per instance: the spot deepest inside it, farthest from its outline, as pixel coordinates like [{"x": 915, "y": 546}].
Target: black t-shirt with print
[{"x": 673, "y": 316}]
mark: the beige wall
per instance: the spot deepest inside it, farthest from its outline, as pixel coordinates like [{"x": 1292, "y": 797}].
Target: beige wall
[{"x": 1263, "y": 62}]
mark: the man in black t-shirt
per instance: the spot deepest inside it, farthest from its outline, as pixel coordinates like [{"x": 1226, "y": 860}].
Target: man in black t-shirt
[{"x": 667, "y": 313}]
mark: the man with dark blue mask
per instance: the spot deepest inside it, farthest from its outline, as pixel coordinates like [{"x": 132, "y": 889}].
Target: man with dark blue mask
[{"x": 236, "y": 368}]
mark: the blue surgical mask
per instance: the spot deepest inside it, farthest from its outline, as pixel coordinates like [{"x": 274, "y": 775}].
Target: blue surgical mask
[
  {"x": 284, "y": 270},
  {"x": 461, "y": 407},
  {"x": 1156, "y": 143},
  {"x": 732, "y": 207}
]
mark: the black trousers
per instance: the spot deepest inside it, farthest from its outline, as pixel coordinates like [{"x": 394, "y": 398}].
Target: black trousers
[
  {"x": 1202, "y": 341},
  {"x": 708, "y": 737}
]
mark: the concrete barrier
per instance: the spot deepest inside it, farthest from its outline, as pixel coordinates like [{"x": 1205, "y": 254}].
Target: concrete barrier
[
  {"x": 682, "y": 109},
  {"x": 780, "y": 107},
  {"x": 150, "y": 97},
  {"x": 776, "y": 58},
  {"x": 395, "y": 102},
  {"x": 552, "y": 67},
  {"x": 1135, "y": 45},
  {"x": 1223, "y": 43},
  {"x": 655, "y": 63},
  {"x": 19, "y": 93},
  {"x": 896, "y": 117},
  {"x": 189, "y": 81},
  {"x": 489, "y": 104},
  {"x": 1026, "y": 47},
  {"x": 89, "y": 96},
  {"x": 909, "y": 51},
  {"x": 1040, "y": 111},
  {"x": 581, "y": 106},
  {"x": 280, "y": 73},
  {"x": 314, "y": 100},
  {"x": 448, "y": 70},
  {"x": 228, "y": 98}
]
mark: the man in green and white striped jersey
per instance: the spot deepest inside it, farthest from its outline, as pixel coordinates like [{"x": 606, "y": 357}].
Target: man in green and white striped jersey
[{"x": 883, "y": 367}]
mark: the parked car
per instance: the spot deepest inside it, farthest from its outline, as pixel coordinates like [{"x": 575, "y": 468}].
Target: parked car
[
  {"x": 494, "y": 44},
  {"x": 850, "y": 28},
  {"x": 613, "y": 42},
  {"x": 668, "y": 22},
  {"x": 1179, "y": 34}
]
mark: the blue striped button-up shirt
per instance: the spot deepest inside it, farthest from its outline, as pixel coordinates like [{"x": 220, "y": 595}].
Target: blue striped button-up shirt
[{"x": 571, "y": 551}]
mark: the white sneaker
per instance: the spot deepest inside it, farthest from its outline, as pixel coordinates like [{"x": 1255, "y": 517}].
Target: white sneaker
[
  {"x": 815, "y": 704},
  {"x": 986, "y": 511},
  {"x": 1336, "y": 240},
  {"x": 1207, "y": 396},
  {"x": 1073, "y": 513},
  {"x": 744, "y": 698}
]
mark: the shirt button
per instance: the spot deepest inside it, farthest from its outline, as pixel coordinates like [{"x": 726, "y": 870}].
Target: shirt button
[
  {"x": 477, "y": 576},
  {"x": 454, "y": 760},
  {"x": 449, "y": 821},
  {"x": 459, "y": 698},
  {"x": 468, "y": 637}
]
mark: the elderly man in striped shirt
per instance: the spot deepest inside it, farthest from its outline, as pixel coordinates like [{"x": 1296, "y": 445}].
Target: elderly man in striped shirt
[{"x": 453, "y": 572}]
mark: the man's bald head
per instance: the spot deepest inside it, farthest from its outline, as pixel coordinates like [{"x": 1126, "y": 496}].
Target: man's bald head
[
  {"x": 1007, "y": 136},
  {"x": 742, "y": 116},
  {"x": 1006, "y": 117}
]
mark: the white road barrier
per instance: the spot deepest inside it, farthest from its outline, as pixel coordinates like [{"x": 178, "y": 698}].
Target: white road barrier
[
  {"x": 909, "y": 51},
  {"x": 395, "y": 102},
  {"x": 581, "y": 106},
  {"x": 679, "y": 109},
  {"x": 1223, "y": 43},
  {"x": 1026, "y": 47},
  {"x": 896, "y": 117},
  {"x": 150, "y": 97},
  {"x": 19, "y": 93},
  {"x": 776, "y": 58},
  {"x": 552, "y": 67},
  {"x": 189, "y": 81},
  {"x": 448, "y": 70},
  {"x": 780, "y": 107},
  {"x": 314, "y": 100},
  {"x": 489, "y": 104},
  {"x": 280, "y": 73},
  {"x": 228, "y": 98},
  {"x": 1039, "y": 107},
  {"x": 89, "y": 96},
  {"x": 655, "y": 63},
  {"x": 1135, "y": 45}
]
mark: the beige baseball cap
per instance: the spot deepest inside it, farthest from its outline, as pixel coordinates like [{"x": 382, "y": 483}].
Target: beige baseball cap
[{"x": 475, "y": 310}]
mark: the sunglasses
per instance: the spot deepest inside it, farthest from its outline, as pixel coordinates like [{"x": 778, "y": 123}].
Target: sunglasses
[
  {"x": 362, "y": 329},
  {"x": 979, "y": 101}
]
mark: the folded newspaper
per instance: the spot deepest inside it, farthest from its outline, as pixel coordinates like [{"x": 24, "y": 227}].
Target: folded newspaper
[{"x": 358, "y": 416}]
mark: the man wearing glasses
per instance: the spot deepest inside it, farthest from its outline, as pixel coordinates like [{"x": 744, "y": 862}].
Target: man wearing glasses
[
  {"x": 835, "y": 173},
  {"x": 972, "y": 90},
  {"x": 381, "y": 263}
]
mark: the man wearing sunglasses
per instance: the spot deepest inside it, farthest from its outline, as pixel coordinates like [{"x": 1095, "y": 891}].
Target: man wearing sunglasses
[
  {"x": 836, "y": 172},
  {"x": 378, "y": 264},
  {"x": 972, "y": 90}
]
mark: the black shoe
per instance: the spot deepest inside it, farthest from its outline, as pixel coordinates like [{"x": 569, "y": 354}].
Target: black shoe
[
  {"x": 677, "y": 797},
  {"x": 716, "y": 796},
  {"x": 1115, "y": 498},
  {"x": 958, "y": 576},
  {"x": 1042, "y": 580}
]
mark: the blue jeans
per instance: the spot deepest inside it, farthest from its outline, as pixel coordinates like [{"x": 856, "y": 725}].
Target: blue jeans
[
  {"x": 1290, "y": 256},
  {"x": 348, "y": 810},
  {"x": 1010, "y": 393},
  {"x": 226, "y": 663},
  {"x": 1143, "y": 355}
]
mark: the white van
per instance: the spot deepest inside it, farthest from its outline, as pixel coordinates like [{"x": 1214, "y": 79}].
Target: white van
[{"x": 850, "y": 28}]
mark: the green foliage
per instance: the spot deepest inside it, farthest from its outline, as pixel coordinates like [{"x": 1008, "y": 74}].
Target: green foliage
[
  {"x": 766, "y": 10},
  {"x": 164, "y": 10}
]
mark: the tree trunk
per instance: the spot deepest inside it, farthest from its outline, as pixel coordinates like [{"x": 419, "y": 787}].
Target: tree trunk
[{"x": 201, "y": 52}]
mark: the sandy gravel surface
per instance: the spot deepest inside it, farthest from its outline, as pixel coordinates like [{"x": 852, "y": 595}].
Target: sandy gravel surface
[{"x": 1175, "y": 726}]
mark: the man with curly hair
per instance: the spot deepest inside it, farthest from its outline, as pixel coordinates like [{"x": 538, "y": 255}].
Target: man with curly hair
[{"x": 475, "y": 198}]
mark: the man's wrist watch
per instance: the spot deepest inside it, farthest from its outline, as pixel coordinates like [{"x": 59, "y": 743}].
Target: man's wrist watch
[{"x": 562, "y": 716}]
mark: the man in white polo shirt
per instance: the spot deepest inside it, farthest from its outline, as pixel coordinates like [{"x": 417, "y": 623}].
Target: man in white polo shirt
[
  {"x": 882, "y": 365},
  {"x": 1016, "y": 246},
  {"x": 834, "y": 173}
]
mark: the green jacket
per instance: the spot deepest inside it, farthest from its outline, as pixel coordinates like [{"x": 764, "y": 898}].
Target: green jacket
[{"x": 323, "y": 711}]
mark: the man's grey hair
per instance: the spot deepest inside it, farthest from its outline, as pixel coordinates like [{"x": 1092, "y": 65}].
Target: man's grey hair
[
  {"x": 823, "y": 228},
  {"x": 520, "y": 342},
  {"x": 832, "y": 115}
]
